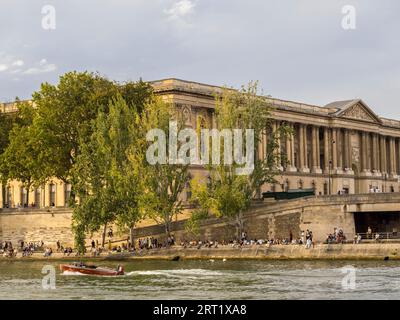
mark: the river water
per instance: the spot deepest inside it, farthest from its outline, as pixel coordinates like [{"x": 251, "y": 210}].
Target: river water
[{"x": 231, "y": 279}]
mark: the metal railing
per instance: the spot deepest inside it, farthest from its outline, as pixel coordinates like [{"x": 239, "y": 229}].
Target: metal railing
[{"x": 382, "y": 235}]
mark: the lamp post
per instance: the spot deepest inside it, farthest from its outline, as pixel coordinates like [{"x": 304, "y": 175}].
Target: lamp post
[
  {"x": 330, "y": 167},
  {"x": 385, "y": 179},
  {"x": 329, "y": 177}
]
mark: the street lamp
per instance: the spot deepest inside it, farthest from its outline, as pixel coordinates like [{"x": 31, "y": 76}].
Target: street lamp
[
  {"x": 330, "y": 166},
  {"x": 329, "y": 177}
]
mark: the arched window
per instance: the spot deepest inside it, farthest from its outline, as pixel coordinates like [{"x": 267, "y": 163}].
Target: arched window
[
  {"x": 8, "y": 197},
  {"x": 37, "y": 197},
  {"x": 67, "y": 195},
  {"x": 52, "y": 194},
  {"x": 24, "y": 195},
  {"x": 4, "y": 196}
]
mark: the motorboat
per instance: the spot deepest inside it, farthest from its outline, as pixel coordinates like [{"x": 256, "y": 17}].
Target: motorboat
[{"x": 92, "y": 269}]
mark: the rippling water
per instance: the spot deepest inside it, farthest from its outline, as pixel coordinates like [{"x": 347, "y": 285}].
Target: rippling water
[{"x": 232, "y": 279}]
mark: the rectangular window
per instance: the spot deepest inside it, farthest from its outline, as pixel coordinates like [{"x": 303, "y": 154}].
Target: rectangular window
[
  {"x": 37, "y": 198},
  {"x": 24, "y": 194},
  {"x": 68, "y": 188},
  {"x": 52, "y": 190}
]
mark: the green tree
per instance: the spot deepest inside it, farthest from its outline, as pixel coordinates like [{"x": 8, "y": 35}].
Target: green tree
[
  {"x": 19, "y": 159},
  {"x": 226, "y": 193},
  {"x": 65, "y": 112},
  {"x": 105, "y": 185},
  {"x": 6, "y": 124},
  {"x": 162, "y": 183}
]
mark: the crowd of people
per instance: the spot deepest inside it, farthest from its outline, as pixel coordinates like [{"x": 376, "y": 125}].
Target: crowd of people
[
  {"x": 337, "y": 236},
  {"x": 305, "y": 238}
]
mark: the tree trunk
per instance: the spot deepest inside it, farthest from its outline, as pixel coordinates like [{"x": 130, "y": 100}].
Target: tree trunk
[
  {"x": 167, "y": 231},
  {"x": 28, "y": 187},
  {"x": 103, "y": 240},
  {"x": 132, "y": 239},
  {"x": 239, "y": 222}
]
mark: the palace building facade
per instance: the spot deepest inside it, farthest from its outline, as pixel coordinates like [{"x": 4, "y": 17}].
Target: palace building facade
[{"x": 342, "y": 147}]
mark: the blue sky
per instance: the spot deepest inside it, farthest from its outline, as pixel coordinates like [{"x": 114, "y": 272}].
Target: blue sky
[{"x": 297, "y": 49}]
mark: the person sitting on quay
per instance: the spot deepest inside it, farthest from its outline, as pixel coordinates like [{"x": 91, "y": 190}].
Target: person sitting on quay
[
  {"x": 357, "y": 239},
  {"x": 369, "y": 233},
  {"x": 48, "y": 252},
  {"x": 309, "y": 239},
  {"x": 58, "y": 246},
  {"x": 67, "y": 251}
]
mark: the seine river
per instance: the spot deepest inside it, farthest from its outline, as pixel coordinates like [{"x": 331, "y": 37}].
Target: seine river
[{"x": 232, "y": 279}]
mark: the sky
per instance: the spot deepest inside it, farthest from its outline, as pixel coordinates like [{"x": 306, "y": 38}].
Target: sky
[{"x": 309, "y": 51}]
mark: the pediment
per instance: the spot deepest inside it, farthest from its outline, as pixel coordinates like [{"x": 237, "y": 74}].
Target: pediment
[{"x": 360, "y": 111}]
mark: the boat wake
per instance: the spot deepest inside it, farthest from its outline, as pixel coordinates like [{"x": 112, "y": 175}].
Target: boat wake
[{"x": 175, "y": 273}]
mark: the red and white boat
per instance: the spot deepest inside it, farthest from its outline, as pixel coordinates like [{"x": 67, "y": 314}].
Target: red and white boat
[{"x": 92, "y": 270}]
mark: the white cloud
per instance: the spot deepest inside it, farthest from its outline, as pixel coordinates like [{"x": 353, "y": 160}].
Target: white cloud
[
  {"x": 180, "y": 9},
  {"x": 43, "y": 67},
  {"x": 11, "y": 65},
  {"x": 18, "y": 63}
]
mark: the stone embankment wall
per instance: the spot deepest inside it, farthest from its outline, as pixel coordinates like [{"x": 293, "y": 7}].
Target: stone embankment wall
[
  {"x": 265, "y": 220},
  {"x": 321, "y": 251},
  {"x": 36, "y": 225},
  {"x": 268, "y": 221}
]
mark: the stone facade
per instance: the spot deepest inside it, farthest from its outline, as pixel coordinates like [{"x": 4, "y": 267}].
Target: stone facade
[{"x": 340, "y": 147}]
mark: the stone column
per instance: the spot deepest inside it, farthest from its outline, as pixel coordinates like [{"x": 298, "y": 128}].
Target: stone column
[
  {"x": 260, "y": 146},
  {"x": 339, "y": 150},
  {"x": 303, "y": 148},
  {"x": 288, "y": 152},
  {"x": 398, "y": 155},
  {"x": 293, "y": 141},
  {"x": 393, "y": 162},
  {"x": 278, "y": 149},
  {"x": 375, "y": 155},
  {"x": 315, "y": 150},
  {"x": 334, "y": 143},
  {"x": 1, "y": 196},
  {"x": 363, "y": 152},
  {"x": 346, "y": 163},
  {"x": 265, "y": 142},
  {"x": 326, "y": 149},
  {"x": 318, "y": 151},
  {"x": 291, "y": 167},
  {"x": 368, "y": 151},
  {"x": 43, "y": 196},
  {"x": 60, "y": 195},
  {"x": 383, "y": 154}
]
